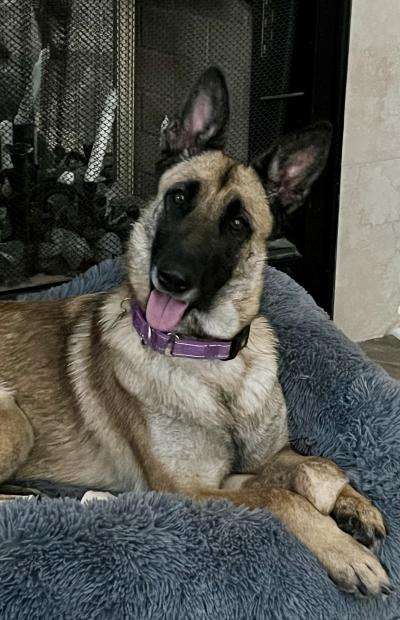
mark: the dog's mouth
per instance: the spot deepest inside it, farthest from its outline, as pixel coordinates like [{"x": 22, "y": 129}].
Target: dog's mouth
[
  {"x": 164, "y": 312},
  {"x": 165, "y": 309}
]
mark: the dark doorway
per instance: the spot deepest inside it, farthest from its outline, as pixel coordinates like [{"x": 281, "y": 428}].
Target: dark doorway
[{"x": 299, "y": 65}]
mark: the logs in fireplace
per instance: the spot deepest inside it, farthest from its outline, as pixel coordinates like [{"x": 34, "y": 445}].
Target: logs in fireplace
[{"x": 62, "y": 207}]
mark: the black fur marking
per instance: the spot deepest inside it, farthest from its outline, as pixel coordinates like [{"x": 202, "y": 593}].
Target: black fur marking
[
  {"x": 368, "y": 536},
  {"x": 189, "y": 189},
  {"x": 204, "y": 251},
  {"x": 235, "y": 210}
]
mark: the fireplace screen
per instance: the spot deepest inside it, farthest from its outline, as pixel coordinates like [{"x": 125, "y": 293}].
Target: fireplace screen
[{"x": 84, "y": 87}]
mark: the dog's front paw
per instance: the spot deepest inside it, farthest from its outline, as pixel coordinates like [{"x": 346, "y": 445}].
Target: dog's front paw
[
  {"x": 355, "y": 569},
  {"x": 356, "y": 515}
]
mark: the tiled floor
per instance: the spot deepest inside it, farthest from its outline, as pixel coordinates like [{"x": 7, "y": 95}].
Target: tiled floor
[{"x": 386, "y": 352}]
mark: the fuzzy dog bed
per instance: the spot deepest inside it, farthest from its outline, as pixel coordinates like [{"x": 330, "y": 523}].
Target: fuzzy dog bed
[{"x": 147, "y": 556}]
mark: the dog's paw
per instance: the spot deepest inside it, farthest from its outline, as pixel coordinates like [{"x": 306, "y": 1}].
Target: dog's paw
[
  {"x": 91, "y": 496},
  {"x": 358, "y": 517},
  {"x": 355, "y": 569}
]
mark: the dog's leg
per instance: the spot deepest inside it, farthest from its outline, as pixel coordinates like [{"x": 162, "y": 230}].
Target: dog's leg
[
  {"x": 350, "y": 565},
  {"x": 16, "y": 435},
  {"x": 319, "y": 480},
  {"x": 326, "y": 486}
]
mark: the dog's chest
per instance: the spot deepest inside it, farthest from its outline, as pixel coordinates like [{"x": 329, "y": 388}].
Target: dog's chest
[
  {"x": 215, "y": 395},
  {"x": 200, "y": 412}
]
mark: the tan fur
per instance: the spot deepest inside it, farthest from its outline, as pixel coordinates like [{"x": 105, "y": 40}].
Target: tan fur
[
  {"x": 319, "y": 480},
  {"x": 84, "y": 402},
  {"x": 347, "y": 562}
]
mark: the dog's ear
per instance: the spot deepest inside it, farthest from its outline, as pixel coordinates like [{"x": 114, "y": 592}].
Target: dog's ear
[
  {"x": 289, "y": 169},
  {"x": 203, "y": 122}
]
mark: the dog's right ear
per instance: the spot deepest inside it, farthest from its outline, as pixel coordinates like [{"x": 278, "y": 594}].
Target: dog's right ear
[{"x": 202, "y": 124}]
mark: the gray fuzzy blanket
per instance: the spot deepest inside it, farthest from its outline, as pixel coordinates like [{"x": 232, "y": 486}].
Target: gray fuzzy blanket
[{"x": 146, "y": 556}]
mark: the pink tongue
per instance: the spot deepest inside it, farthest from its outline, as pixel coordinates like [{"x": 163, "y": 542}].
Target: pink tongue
[{"x": 163, "y": 312}]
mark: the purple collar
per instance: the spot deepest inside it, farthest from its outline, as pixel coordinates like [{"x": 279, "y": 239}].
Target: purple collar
[{"x": 187, "y": 347}]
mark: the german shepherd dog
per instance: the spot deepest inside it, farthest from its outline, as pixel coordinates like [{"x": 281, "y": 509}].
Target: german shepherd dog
[{"x": 170, "y": 382}]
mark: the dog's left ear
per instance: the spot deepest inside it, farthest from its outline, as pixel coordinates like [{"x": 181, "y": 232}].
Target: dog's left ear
[
  {"x": 202, "y": 124},
  {"x": 290, "y": 168}
]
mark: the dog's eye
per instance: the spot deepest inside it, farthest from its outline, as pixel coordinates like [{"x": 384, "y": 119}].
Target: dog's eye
[
  {"x": 179, "y": 197},
  {"x": 238, "y": 224}
]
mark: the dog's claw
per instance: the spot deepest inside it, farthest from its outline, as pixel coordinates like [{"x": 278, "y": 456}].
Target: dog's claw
[
  {"x": 363, "y": 590},
  {"x": 360, "y": 572}
]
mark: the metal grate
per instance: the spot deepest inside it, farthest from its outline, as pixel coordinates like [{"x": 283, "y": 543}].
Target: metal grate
[
  {"x": 274, "y": 36},
  {"x": 176, "y": 41},
  {"x": 64, "y": 204},
  {"x": 84, "y": 86}
]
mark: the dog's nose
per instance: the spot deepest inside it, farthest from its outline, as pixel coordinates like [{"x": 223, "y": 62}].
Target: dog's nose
[{"x": 174, "y": 281}]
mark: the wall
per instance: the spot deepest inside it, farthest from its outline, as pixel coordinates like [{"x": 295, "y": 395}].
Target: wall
[{"x": 367, "y": 295}]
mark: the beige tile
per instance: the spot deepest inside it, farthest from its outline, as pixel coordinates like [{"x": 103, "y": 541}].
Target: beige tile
[
  {"x": 367, "y": 291},
  {"x": 373, "y": 84},
  {"x": 367, "y": 294},
  {"x": 379, "y": 186},
  {"x": 374, "y": 21},
  {"x": 370, "y": 133}
]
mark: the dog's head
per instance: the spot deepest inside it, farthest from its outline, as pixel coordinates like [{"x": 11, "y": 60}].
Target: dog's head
[{"x": 198, "y": 252}]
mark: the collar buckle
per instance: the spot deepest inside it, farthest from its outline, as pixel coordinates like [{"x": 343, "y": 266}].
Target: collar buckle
[
  {"x": 146, "y": 338},
  {"x": 173, "y": 340}
]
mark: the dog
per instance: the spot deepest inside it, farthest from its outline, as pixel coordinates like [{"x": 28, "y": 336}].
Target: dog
[{"x": 170, "y": 382}]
